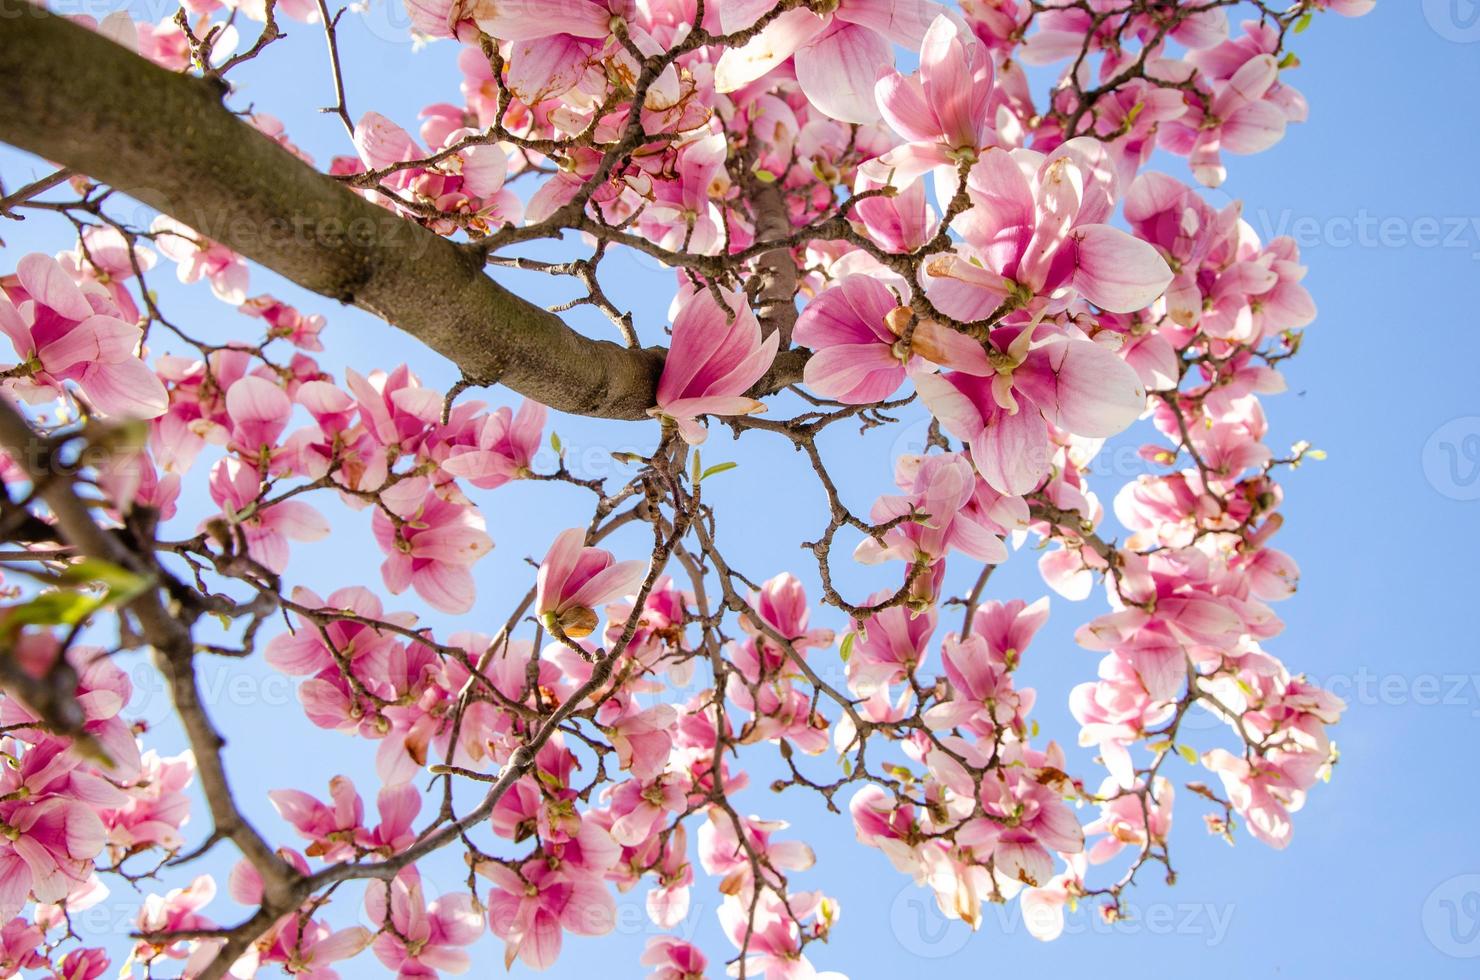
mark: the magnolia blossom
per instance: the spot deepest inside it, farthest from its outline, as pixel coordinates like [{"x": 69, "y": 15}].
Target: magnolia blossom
[
  {"x": 502, "y": 448},
  {"x": 938, "y": 493},
  {"x": 864, "y": 341},
  {"x": 430, "y": 545},
  {"x": 199, "y": 258},
  {"x": 838, "y": 55},
  {"x": 1036, "y": 238},
  {"x": 428, "y": 935},
  {"x": 574, "y": 579},
  {"x": 63, "y": 332},
  {"x": 1039, "y": 380},
  {"x": 944, "y": 110},
  {"x": 717, "y": 354}
]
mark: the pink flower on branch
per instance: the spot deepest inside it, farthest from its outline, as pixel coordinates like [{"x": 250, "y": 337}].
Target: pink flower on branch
[
  {"x": 716, "y": 354},
  {"x": 574, "y": 579},
  {"x": 63, "y": 332}
]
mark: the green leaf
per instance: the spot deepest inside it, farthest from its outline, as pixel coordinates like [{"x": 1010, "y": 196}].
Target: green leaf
[
  {"x": 64, "y": 607},
  {"x": 1303, "y": 23},
  {"x": 716, "y": 468},
  {"x": 116, "y": 578},
  {"x": 555, "y": 443},
  {"x": 123, "y": 585},
  {"x": 1189, "y": 753},
  {"x": 846, "y": 650}
]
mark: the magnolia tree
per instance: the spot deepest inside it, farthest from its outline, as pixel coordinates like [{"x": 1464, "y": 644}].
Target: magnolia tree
[{"x": 858, "y": 204}]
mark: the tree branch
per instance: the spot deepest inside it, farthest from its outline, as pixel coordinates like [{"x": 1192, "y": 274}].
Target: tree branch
[{"x": 73, "y": 96}]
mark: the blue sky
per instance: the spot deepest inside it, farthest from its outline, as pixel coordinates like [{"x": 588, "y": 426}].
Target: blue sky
[{"x": 1378, "y": 189}]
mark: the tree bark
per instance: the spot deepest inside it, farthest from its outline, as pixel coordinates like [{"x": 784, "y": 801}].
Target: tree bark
[{"x": 77, "y": 98}]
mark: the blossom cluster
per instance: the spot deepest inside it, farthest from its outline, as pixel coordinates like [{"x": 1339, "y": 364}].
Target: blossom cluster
[{"x": 938, "y": 237}]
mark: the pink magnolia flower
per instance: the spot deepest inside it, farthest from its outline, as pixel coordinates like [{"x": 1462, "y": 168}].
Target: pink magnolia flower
[
  {"x": 1123, "y": 819},
  {"x": 470, "y": 180},
  {"x": 102, "y": 692},
  {"x": 721, "y": 854},
  {"x": 102, "y": 256},
  {"x": 430, "y": 545},
  {"x": 659, "y": 627},
  {"x": 713, "y": 359},
  {"x": 772, "y": 941},
  {"x": 642, "y": 740},
  {"x": 883, "y": 822},
  {"x": 427, "y": 936},
  {"x": 574, "y": 579},
  {"x": 1240, "y": 104},
  {"x": 49, "y": 812},
  {"x": 888, "y": 646},
  {"x": 157, "y": 806},
  {"x": 856, "y": 332},
  {"x": 396, "y": 409},
  {"x": 235, "y": 486},
  {"x": 838, "y": 55},
  {"x": 307, "y": 651},
  {"x": 530, "y": 908},
  {"x": 20, "y": 949},
  {"x": 940, "y": 489},
  {"x": 1030, "y": 795},
  {"x": 673, "y": 959},
  {"x": 898, "y": 222},
  {"x": 259, "y": 411},
  {"x": 1076, "y": 385},
  {"x": 640, "y": 808},
  {"x": 63, "y": 332},
  {"x": 944, "y": 110},
  {"x": 83, "y": 964},
  {"x": 684, "y": 217},
  {"x": 1062, "y": 30},
  {"x": 1262, "y": 791},
  {"x": 332, "y": 829},
  {"x": 308, "y": 948},
  {"x": 533, "y": 20},
  {"x": 285, "y": 322},
  {"x": 1043, "y": 906},
  {"x": 1036, "y": 239},
  {"x": 781, "y": 604},
  {"x": 1114, "y": 712},
  {"x": 439, "y": 18},
  {"x": 1348, "y": 8},
  {"x": 503, "y": 447},
  {"x": 983, "y": 697},
  {"x": 197, "y": 257},
  {"x": 178, "y": 910}
]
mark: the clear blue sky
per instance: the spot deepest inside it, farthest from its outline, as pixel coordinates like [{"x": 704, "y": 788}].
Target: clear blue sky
[{"x": 1384, "y": 871}]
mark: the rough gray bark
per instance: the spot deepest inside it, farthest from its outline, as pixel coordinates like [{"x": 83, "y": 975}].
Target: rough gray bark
[{"x": 77, "y": 98}]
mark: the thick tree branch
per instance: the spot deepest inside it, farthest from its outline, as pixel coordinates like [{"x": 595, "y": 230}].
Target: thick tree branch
[{"x": 73, "y": 96}]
